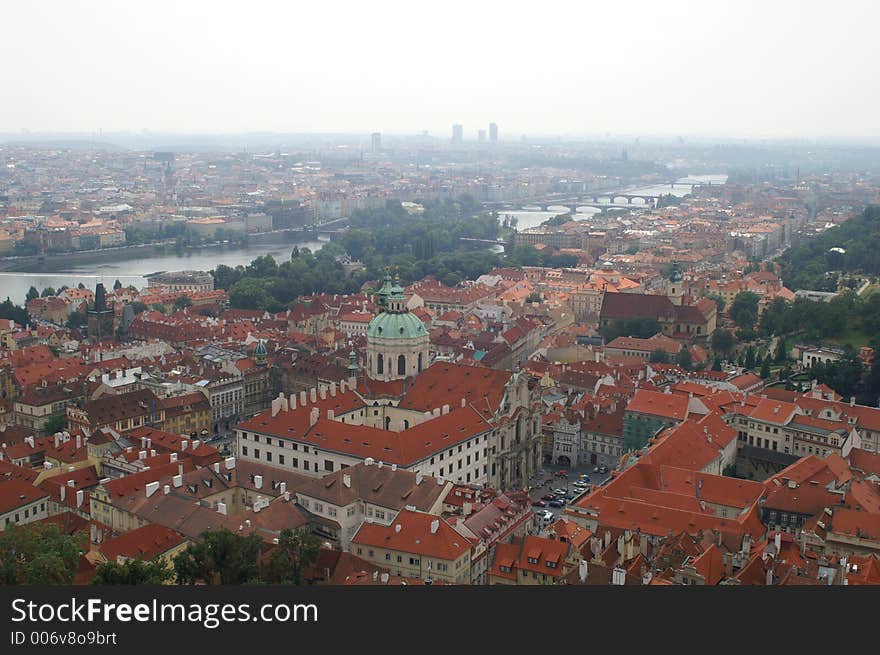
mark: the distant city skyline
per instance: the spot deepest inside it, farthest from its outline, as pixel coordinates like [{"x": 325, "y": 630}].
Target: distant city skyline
[{"x": 751, "y": 70}]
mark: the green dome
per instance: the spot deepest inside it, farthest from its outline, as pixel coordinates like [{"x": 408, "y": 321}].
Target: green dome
[{"x": 394, "y": 325}]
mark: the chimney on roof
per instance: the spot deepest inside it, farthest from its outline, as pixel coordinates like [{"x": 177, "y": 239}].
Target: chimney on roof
[
  {"x": 258, "y": 481},
  {"x": 247, "y": 523},
  {"x": 346, "y": 480},
  {"x": 583, "y": 570},
  {"x": 394, "y": 467},
  {"x": 172, "y": 457},
  {"x": 852, "y": 401},
  {"x": 418, "y": 479},
  {"x": 221, "y": 508},
  {"x": 63, "y": 493},
  {"x": 230, "y": 463},
  {"x": 142, "y": 454},
  {"x": 313, "y": 395},
  {"x": 184, "y": 444},
  {"x": 435, "y": 412},
  {"x": 152, "y": 488},
  {"x": 216, "y": 467},
  {"x": 435, "y": 525},
  {"x": 292, "y": 402},
  {"x": 29, "y": 441},
  {"x": 57, "y": 439},
  {"x": 283, "y": 402},
  {"x": 331, "y": 414},
  {"x": 282, "y": 488},
  {"x": 368, "y": 461},
  {"x": 323, "y": 393},
  {"x": 607, "y": 538},
  {"x": 380, "y": 463},
  {"x": 463, "y": 402},
  {"x": 314, "y": 415},
  {"x": 303, "y": 398},
  {"x": 152, "y": 452},
  {"x": 792, "y": 484},
  {"x": 777, "y": 541},
  {"x": 342, "y": 386},
  {"x": 177, "y": 480},
  {"x": 397, "y": 528},
  {"x": 333, "y": 389},
  {"x": 167, "y": 489}
]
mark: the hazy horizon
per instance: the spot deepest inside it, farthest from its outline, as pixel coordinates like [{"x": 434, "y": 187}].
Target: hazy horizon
[{"x": 798, "y": 71}]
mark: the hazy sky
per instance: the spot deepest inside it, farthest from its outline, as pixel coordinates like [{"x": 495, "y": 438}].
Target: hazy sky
[{"x": 738, "y": 68}]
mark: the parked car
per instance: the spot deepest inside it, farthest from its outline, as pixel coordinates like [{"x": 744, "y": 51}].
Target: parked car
[
  {"x": 584, "y": 478},
  {"x": 603, "y": 469},
  {"x": 580, "y": 485},
  {"x": 539, "y": 503},
  {"x": 548, "y": 497},
  {"x": 557, "y": 503},
  {"x": 595, "y": 469},
  {"x": 560, "y": 492}
]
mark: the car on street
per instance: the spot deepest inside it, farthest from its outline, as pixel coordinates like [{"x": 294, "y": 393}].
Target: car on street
[
  {"x": 560, "y": 492},
  {"x": 548, "y": 497},
  {"x": 603, "y": 469},
  {"x": 557, "y": 503},
  {"x": 539, "y": 503}
]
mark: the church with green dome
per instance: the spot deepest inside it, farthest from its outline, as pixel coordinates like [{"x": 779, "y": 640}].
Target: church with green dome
[{"x": 397, "y": 340}]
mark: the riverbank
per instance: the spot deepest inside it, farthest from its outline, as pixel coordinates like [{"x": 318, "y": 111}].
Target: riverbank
[{"x": 60, "y": 262}]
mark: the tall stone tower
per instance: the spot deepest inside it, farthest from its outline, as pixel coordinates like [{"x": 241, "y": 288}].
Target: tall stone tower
[
  {"x": 100, "y": 317},
  {"x": 675, "y": 285}
]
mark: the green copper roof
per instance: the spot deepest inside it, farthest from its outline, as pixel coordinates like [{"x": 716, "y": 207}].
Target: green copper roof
[{"x": 393, "y": 325}]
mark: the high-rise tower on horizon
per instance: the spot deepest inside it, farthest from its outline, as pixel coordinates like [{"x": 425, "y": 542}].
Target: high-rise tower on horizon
[{"x": 493, "y": 132}]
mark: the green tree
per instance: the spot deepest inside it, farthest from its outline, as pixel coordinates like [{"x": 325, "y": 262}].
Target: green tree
[
  {"x": 296, "y": 551},
  {"x": 182, "y": 302},
  {"x": 117, "y": 285},
  {"x": 750, "y": 357},
  {"x": 133, "y": 572},
  {"x": 76, "y": 320},
  {"x": 138, "y": 307},
  {"x": 781, "y": 355},
  {"x": 684, "y": 359},
  {"x": 48, "y": 291},
  {"x": 716, "y": 365},
  {"x": 659, "y": 357},
  {"x": 32, "y": 293},
  {"x": 219, "y": 558},
  {"x": 765, "y": 368},
  {"x": 744, "y": 309},
  {"x": 534, "y": 297},
  {"x": 56, "y": 423},
  {"x": 37, "y": 554},
  {"x": 722, "y": 341}
]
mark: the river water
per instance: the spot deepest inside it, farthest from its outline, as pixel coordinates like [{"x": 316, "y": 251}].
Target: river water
[{"x": 132, "y": 271}]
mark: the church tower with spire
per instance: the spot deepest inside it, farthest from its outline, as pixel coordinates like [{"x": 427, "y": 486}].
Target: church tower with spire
[
  {"x": 675, "y": 285},
  {"x": 397, "y": 340}
]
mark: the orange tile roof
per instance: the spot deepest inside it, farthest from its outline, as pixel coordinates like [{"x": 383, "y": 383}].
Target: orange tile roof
[{"x": 414, "y": 536}]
